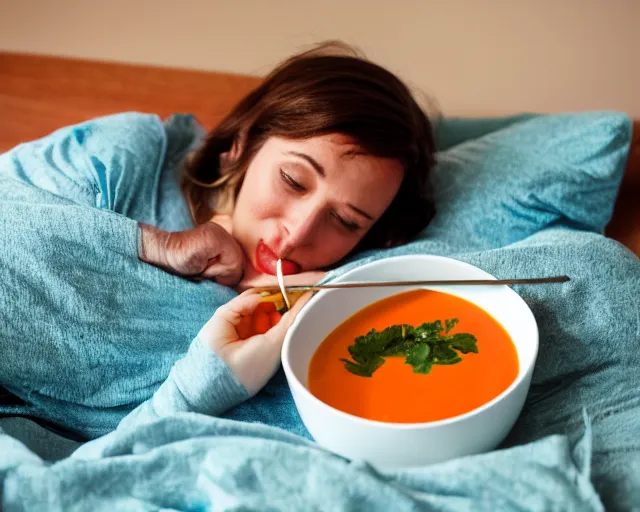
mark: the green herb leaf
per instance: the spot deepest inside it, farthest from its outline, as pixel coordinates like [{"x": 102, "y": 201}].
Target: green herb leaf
[
  {"x": 423, "y": 368},
  {"x": 464, "y": 342},
  {"x": 422, "y": 347},
  {"x": 357, "y": 369},
  {"x": 450, "y": 324},
  {"x": 429, "y": 329},
  {"x": 442, "y": 354},
  {"x": 365, "y": 368},
  {"x": 399, "y": 349},
  {"x": 419, "y": 354},
  {"x": 418, "y": 357}
]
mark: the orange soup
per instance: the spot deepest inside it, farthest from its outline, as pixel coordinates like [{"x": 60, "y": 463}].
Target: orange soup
[{"x": 394, "y": 392}]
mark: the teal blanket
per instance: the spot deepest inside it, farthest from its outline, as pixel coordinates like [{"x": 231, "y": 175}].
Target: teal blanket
[{"x": 89, "y": 333}]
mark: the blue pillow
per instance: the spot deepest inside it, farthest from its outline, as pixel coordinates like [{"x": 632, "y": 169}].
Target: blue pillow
[
  {"x": 499, "y": 181},
  {"x": 451, "y": 131}
]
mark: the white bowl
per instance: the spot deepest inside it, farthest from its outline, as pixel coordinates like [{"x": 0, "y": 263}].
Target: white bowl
[{"x": 394, "y": 445}]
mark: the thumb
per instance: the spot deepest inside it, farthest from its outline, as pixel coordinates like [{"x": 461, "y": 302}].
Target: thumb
[
  {"x": 278, "y": 331},
  {"x": 225, "y": 274}
]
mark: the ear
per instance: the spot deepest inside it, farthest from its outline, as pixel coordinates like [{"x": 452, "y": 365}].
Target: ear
[
  {"x": 236, "y": 148},
  {"x": 229, "y": 157}
]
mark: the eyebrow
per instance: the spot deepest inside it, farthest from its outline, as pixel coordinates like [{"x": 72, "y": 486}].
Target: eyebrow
[
  {"x": 320, "y": 170},
  {"x": 361, "y": 212},
  {"x": 312, "y": 161}
]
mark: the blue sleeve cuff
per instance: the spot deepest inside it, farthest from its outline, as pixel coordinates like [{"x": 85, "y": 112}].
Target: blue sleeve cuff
[{"x": 200, "y": 382}]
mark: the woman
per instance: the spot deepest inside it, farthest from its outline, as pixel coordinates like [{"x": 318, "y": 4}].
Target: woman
[{"x": 330, "y": 155}]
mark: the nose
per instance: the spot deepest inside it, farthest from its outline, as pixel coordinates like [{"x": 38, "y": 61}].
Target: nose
[{"x": 299, "y": 228}]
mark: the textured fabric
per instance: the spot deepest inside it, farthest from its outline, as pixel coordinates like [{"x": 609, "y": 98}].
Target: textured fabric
[
  {"x": 200, "y": 382},
  {"x": 451, "y": 131},
  {"x": 526, "y": 174},
  {"x": 89, "y": 333},
  {"x": 126, "y": 163},
  {"x": 588, "y": 357},
  {"x": 71, "y": 281},
  {"x": 194, "y": 462}
]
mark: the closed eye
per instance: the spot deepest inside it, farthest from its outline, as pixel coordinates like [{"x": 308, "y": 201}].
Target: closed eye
[
  {"x": 291, "y": 182},
  {"x": 351, "y": 226},
  {"x": 297, "y": 187}
]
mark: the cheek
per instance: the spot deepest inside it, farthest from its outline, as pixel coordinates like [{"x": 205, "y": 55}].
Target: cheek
[
  {"x": 258, "y": 198},
  {"x": 329, "y": 248}
]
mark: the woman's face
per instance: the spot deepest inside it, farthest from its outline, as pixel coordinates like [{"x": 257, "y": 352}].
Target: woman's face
[{"x": 309, "y": 202}]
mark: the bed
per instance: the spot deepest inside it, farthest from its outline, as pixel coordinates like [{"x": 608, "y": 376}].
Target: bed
[
  {"x": 186, "y": 460},
  {"x": 39, "y": 94}
]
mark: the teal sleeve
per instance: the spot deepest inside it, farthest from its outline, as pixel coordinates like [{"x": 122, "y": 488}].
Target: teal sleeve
[{"x": 200, "y": 382}]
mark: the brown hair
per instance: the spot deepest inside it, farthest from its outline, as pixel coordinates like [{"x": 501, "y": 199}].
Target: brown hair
[{"x": 330, "y": 89}]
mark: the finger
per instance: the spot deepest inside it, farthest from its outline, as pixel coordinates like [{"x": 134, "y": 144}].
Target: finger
[
  {"x": 278, "y": 332},
  {"x": 224, "y": 274},
  {"x": 290, "y": 315},
  {"x": 217, "y": 267},
  {"x": 241, "y": 306}
]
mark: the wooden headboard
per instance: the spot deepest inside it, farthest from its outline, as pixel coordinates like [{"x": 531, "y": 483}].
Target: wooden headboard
[{"x": 39, "y": 94}]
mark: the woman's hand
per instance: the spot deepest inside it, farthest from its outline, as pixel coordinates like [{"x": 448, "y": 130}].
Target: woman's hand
[
  {"x": 247, "y": 335},
  {"x": 204, "y": 252}
]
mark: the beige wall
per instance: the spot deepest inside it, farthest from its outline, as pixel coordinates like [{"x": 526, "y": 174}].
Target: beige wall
[{"x": 474, "y": 57}]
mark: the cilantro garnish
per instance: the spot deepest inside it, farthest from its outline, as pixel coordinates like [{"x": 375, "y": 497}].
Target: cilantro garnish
[{"x": 422, "y": 347}]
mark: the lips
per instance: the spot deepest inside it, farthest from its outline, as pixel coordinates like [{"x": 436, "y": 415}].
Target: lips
[{"x": 266, "y": 261}]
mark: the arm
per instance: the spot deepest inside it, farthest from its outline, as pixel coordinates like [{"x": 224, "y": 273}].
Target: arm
[
  {"x": 222, "y": 368},
  {"x": 200, "y": 382},
  {"x": 116, "y": 163}
]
